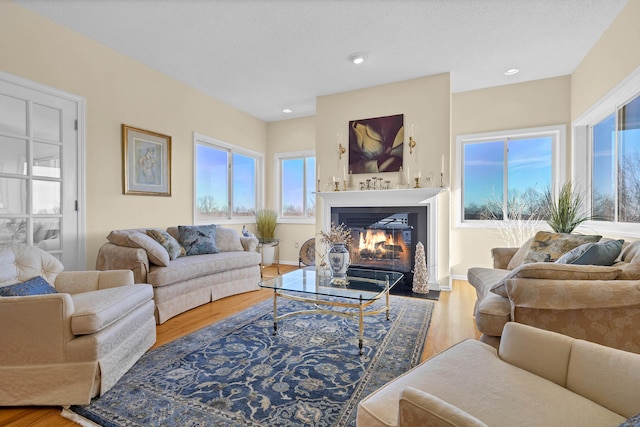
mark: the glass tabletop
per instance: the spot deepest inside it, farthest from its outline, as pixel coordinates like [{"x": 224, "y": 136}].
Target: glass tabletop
[{"x": 363, "y": 283}]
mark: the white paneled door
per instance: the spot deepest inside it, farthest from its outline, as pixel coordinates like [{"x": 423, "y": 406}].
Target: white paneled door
[{"x": 40, "y": 177}]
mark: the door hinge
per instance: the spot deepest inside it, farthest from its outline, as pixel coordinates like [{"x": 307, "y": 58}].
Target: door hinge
[
  {"x": 76, "y": 206},
  {"x": 75, "y": 124}
]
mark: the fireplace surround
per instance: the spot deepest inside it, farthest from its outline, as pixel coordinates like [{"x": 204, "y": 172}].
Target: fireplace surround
[{"x": 400, "y": 218}]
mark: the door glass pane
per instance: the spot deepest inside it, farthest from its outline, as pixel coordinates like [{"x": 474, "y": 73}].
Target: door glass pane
[
  {"x": 46, "y": 122},
  {"x": 14, "y": 153},
  {"x": 603, "y": 188},
  {"x": 46, "y": 197},
  {"x": 46, "y": 160},
  {"x": 311, "y": 186},
  {"x": 13, "y": 195},
  {"x": 212, "y": 183},
  {"x": 483, "y": 178},
  {"x": 292, "y": 191},
  {"x": 629, "y": 163},
  {"x": 244, "y": 185},
  {"x": 46, "y": 233},
  {"x": 528, "y": 176},
  {"x": 13, "y": 230},
  {"x": 13, "y": 115}
]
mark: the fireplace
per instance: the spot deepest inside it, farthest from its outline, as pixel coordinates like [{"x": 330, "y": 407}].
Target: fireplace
[
  {"x": 383, "y": 237},
  {"x": 386, "y": 226}
]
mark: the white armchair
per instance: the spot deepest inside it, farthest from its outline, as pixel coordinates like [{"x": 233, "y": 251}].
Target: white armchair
[{"x": 65, "y": 348}]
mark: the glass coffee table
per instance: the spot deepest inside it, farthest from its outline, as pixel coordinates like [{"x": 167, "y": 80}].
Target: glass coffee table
[{"x": 363, "y": 289}]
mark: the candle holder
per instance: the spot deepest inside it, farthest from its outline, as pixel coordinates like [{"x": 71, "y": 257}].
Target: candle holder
[
  {"x": 318, "y": 188},
  {"x": 344, "y": 185},
  {"x": 412, "y": 144},
  {"x": 337, "y": 184},
  {"x": 341, "y": 150},
  {"x": 442, "y": 179},
  {"x": 417, "y": 179}
]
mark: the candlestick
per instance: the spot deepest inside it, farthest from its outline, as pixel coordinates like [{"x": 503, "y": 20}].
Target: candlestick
[
  {"x": 417, "y": 182},
  {"x": 344, "y": 185},
  {"x": 337, "y": 184},
  {"x": 441, "y": 179},
  {"x": 442, "y": 165}
]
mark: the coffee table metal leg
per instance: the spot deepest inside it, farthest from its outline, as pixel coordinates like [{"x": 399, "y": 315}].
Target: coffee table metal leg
[
  {"x": 275, "y": 312},
  {"x": 361, "y": 325},
  {"x": 386, "y": 287}
]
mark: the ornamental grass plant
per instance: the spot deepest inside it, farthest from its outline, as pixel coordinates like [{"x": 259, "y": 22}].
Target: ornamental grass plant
[
  {"x": 266, "y": 223},
  {"x": 567, "y": 211}
]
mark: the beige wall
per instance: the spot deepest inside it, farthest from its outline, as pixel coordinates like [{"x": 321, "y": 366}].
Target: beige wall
[
  {"x": 119, "y": 90},
  {"x": 614, "y": 56},
  {"x": 425, "y": 102},
  {"x": 518, "y": 106},
  {"x": 286, "y": 136}
]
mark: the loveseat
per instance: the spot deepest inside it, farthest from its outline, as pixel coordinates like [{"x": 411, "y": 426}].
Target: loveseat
[
  {"x": 599, "y": 303},
  {"x": 67, "y": 336},
  {"x": 537, "y": 378},
  {"x": 183, "y": 282}
]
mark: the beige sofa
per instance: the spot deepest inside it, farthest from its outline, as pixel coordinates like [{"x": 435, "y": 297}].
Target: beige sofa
[
  {"x": 65, "y": 348},
  {"x": 537, "y": 378},
  {"x": 595, "y": 303},
  {"x": 187, "y": 281}
]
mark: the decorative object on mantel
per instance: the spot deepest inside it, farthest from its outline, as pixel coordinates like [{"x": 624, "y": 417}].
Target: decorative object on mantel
[
  {"x": 376, "y": 144},
  {"x": 412, "y": 142},
  {"x": 341, "y": 149},
  {"x": 421, "y": 274},
  {"x": 337, "y": 239},
  {"x": 146, "y": 162}
]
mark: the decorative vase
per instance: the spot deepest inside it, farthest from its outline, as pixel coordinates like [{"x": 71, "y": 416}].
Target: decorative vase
[{"x": 339, "y": 261}]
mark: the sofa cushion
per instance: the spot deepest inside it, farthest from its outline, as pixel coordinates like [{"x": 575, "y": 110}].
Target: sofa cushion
[
  {"x": 547, "y": 246},
  {"x": 492, "y": 314},
  {"x": 139, "y": 239},
  {"x": 555, "y": 271},
  {"x": 34, "y": 286},
  {"x": 171, "y": 245},
  {"x": 95, "y": 310},
  {"x": 598, "y": 253},
  {"x": 228, "y": 240},
  {"x": 190, "y": 267},
  {"x": 198, "y": 239}
]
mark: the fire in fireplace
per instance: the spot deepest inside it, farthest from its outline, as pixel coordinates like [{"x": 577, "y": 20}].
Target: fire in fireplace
[{"x": 384, "y": 237}]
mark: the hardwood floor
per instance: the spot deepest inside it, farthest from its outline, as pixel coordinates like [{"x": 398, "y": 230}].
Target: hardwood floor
[{"x": 451, "y": 322}]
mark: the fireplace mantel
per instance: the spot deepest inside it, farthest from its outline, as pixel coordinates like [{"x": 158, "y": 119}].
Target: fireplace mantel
[{"x": 395, "y": 197}]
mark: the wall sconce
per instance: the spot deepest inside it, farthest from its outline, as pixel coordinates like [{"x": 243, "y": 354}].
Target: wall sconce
[
  {"x": 412, "y": 142},
  {"x": 341, "y": 150}
]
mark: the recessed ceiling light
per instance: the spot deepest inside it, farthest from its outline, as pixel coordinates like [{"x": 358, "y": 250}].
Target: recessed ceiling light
[
  {"x": 511, "y": 71},
  {"x": 357, "y": 58},
  {"x": 287, "y": 110}
]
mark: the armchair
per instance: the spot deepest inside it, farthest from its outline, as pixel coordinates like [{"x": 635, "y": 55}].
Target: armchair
[{"x": 65, "y": 348}]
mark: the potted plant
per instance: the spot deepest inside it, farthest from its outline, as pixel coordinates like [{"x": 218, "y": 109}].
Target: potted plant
[
  {"x": 566, "y": 212},
  {"x": 266, "y": 223},
  {"x": 337, "y": 241}
]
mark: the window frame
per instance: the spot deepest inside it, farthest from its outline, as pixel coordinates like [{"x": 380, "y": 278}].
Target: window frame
[
  {"x": 558, "y": 159},
  {"x": 199, "y": 139},
  {"x": 277, "y": 168},
  {"x": 582, "y": 143}
]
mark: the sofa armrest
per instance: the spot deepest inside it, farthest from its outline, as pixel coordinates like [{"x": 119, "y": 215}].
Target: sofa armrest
[
  {"x": 74, "y": 282},
  {"x": 502, "y": 256},
  {"x": 35, "y": 329},
  {"x": 540, "y": 352},
  {"x": 419, "y": 408},
  {"x": 114, "y": 257},
  {"x": 572, "y": 294}
]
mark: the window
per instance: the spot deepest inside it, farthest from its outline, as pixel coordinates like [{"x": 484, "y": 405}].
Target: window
[
  {"x": 615, "y": 165},
  {"x": 225, "y": 180},
  {"x": 605, "y": 151},
  {"x": 295, "y": 175},
  {"x": 504, "y": 175}
]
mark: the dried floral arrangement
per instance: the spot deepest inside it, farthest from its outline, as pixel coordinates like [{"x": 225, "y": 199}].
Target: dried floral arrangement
[{"x": 336, "y": 234}]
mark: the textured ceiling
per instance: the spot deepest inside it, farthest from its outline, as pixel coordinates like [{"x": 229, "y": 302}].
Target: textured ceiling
[{"x": 263, "y": 55}]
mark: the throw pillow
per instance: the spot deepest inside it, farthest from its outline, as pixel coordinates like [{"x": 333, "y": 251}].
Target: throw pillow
[
  {"x": 139, "y": 239},
  {"x": 34, "y": 286},
  {"x": 600, "y": 253},
  {"x": 547, "y": 246},
  {"x": 198, "y": 239},
  {"x": 228, "y": 240},
  {"x": 554, "y": 271},
  {"x": 518, "y": 257},
  {"x": 169, "y": 243}
]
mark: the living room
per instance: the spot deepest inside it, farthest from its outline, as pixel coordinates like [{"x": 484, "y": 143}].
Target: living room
[{"x": 120, "y": 90}]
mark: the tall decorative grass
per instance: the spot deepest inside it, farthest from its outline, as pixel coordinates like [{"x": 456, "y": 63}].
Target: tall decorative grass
[
  {"x": 266, "y": 222},
  {"x": 566, "y": 212}
]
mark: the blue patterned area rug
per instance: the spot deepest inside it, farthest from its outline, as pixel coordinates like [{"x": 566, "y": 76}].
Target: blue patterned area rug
[{"x": 236, "y": 373}]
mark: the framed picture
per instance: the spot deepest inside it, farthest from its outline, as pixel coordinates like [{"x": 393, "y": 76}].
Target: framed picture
[
  {"x": 376, "y": 144},
  {"x": 146, "y": 162}
]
